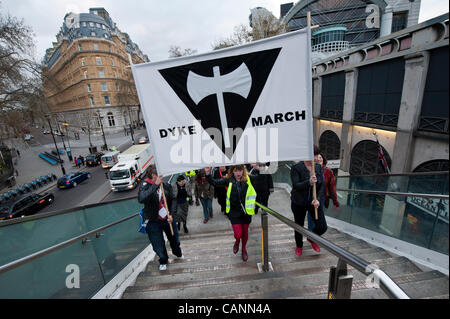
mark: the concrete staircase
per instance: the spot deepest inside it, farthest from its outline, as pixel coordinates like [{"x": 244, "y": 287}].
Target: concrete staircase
[{"x": 211, "y": 270}]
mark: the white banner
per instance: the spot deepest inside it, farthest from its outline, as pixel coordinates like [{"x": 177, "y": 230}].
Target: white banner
[{"x": 244, "y": 104}]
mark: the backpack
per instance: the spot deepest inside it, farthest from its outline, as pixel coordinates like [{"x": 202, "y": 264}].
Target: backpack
[{"x": 142, "y": 223}]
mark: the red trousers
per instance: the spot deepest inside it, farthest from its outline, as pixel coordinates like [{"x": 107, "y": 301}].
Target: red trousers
[{"x": 241, "y": 232}]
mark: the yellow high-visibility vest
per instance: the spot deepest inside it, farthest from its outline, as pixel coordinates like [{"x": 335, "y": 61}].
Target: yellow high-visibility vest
[
  {"x": 250, "y": 198},
  {"x": 190, "y": 173}
]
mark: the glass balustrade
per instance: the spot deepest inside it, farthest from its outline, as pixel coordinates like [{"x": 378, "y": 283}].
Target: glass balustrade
[
  {"x": 418, "y": 220},
  {"x": 78, "y": 270}
]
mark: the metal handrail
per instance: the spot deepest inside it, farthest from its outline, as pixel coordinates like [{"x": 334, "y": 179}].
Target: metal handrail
[
  {"x": 386, "y": 283},
  {"x": 393, "y": 193},
  {"x": 46, "y": 251}
]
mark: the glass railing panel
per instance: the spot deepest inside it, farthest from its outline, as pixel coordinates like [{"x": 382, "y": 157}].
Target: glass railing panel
[
  {"x": 24, "y": 238},
  {"x": 416, "y": 220},
  {"x": 120, "y": 244},
  {"x": 283, "y": 173},
  {"x": 424, "y": 184},
  {"x": 71, "y": 272}
]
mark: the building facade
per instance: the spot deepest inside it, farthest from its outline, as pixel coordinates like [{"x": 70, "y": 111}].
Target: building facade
[
  {"x": 87, "y": 78},
  {"x": 344, "y": 24},
  {"x": 397, "y": 87}
]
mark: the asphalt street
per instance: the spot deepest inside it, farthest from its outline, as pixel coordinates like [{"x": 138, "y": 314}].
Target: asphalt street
[{"x": 93, "y": 190}]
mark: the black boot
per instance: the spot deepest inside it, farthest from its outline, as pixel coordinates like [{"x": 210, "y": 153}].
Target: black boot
[
  {"x": 185, "y": 228},
  {"x": 179, "y": 225}
]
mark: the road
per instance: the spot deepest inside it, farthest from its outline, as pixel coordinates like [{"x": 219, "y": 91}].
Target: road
[{"x": 94, "y": 190}]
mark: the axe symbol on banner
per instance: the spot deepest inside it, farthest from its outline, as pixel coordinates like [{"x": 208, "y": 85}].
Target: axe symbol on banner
[{"x": 238, "y": 81}]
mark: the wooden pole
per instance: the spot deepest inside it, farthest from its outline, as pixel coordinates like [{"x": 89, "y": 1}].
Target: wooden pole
[
  {"x": 165, "y": 204},
  {"x": 313, "y": 171}
]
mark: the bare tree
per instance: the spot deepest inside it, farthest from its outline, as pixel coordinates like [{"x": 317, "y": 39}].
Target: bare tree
[
  {"x": 176, "y": 51},
  {"x": 263, "y": 25}
]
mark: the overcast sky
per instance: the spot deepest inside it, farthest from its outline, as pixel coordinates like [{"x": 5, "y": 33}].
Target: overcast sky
[{"x": 155, "y": 25}]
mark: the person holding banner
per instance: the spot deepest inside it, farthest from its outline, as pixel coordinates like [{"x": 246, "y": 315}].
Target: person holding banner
[
  {"x": 302, "y": 199},
  {"x": 240, "y": 203},
  {"x": 159, "y": 220},
  {"x": 220, "y": 192}
]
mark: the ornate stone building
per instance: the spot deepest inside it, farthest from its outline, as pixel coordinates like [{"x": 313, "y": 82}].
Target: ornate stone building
[{"x": 87, "y": 77}]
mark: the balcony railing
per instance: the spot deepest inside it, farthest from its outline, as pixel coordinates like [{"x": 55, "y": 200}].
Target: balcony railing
[{"x": 332, "y": 46}]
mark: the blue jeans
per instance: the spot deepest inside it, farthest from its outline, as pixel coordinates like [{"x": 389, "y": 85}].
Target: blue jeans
[
  {"x": 207, "y": 207},
  {"x": 155, "y": 234}
]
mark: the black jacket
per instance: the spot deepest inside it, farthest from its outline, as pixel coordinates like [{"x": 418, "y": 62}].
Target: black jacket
[
  {"x": 237, "y": 198},
  {"x": 149, "y": 197},
  {"x": 302, "y": 190},
  {"x": 263, "y": 183}
]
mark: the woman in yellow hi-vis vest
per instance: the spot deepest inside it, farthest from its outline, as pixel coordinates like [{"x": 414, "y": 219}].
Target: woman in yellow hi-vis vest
[{"x": 240, "y": 203}]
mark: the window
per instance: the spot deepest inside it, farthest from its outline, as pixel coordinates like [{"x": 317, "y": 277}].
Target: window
[
  {"x": 98, "y": 61},
  {"x": 83, "y": 24},
  {"x": 98, "y": 25},
  {"x": 89, "y": 87},
  {"x": 95, "y": 46},
  {"x": 399, "y": 21},
  {"x": 85, "y": 74},
  {"x": 91, "y": 24},
  {"x": 91, "y": 98},
  {"x": 93, "y": 35},
  {"x": 110, "y": 48},
  {"x": 105, "y": 35},
  {"x": 115, "y": 75},
  {"x": 104, "y": 86},
  {"x": 79, "y": 47},
  {"x": 103, "y": 27},
  {"x": 83, "y": 62},
  {"x": 112, "y": 62},
  {"x": 101, "y": 74},
  {"x": 107, "y": 101},
  {"x": 332, "y": 102},
  {"x": 117, "y": 86},
  {"x": 111, "y": 119}
]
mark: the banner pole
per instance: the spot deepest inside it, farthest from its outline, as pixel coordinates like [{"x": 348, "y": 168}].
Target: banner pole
[
  {"x": 165, "y": 205},
  {"x": 308, "y": 21}
]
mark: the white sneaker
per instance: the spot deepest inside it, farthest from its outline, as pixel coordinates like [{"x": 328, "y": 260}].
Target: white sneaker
[
  {"x": 163, "y": 267},
  {"x": 182, "y": 257}
]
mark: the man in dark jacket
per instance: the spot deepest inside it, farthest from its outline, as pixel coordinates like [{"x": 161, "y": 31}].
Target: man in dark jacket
[
  {"x": 263, "y": 184},
  {"x": 158, "y": 219}
]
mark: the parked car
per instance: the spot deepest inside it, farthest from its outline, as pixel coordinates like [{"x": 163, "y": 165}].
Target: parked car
[
  {"x": 94, "y": 159},
  {"x": 143, "y": 140},
  {"x": 27, "y": 205},
  {"x": 72, "y": 179},
  {"x": 46, "y": 131},
  {"x": 28, "y": 137}
]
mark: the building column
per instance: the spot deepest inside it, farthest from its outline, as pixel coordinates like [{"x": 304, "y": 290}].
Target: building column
[
  {"x": 386, "y": 21},
  {"x": 351, "y": 83},
  {"x": 317, "y": 102},
  {"x": 416, "y": 68}
]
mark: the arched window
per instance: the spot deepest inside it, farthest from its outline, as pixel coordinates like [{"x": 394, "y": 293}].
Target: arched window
[
  {"x": 439, "y": 165},
  {"x": 330, "y": 145},
  {"x": 111, "y": 120},
  {"x": 364, "y": 159}
]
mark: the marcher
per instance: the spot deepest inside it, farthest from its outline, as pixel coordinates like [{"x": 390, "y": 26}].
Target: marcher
[
  {"x": 240, "y": 203},
  {"x": 263, "y": 183},
  {"x": 220, "y": 192},
  {"x": 190, "y": 176},
  {"x": 182, "y": 190},
  {"x": 158, "y": 219},
  {"x": 205, "y": 192},
  {"x": 330, "y": 188},
  {"x": 302, "y": 200}
]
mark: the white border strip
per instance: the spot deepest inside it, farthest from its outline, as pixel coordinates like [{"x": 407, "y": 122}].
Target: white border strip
[{"x": 115, "y": 288}]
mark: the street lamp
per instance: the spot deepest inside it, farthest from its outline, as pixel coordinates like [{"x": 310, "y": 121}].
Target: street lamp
[
  {"x": 68, "y": 151},
  {"x": 103, "y": 132},
  {"x": 54, "y": 141},
  {"x": 131, "y": 127}
]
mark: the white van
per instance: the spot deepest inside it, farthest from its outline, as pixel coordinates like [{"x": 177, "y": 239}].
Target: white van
[{"x": 110, "y": 159}]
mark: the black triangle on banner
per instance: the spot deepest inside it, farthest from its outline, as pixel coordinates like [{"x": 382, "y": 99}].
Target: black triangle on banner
[{"x": 204, "y": 79}]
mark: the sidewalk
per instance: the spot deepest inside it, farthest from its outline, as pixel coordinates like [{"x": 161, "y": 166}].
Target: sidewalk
[{"x": 30, "y": 166}]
